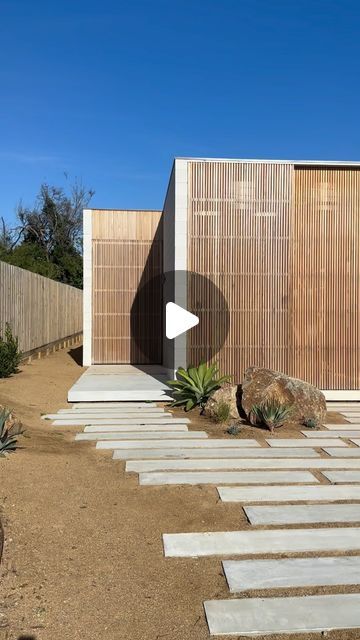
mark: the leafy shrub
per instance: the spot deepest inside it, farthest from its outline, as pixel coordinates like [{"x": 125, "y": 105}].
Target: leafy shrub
[
  {"x": 271, "y": 413},
  {"x": 8, "y": 439},
  {"x": 221, "y": 412},
  {"x": 233, "y": 430},
  {"x": 10, "y": 355},
  {"x": 194, "y": 385},
  {"x": 310, "y": 423}
]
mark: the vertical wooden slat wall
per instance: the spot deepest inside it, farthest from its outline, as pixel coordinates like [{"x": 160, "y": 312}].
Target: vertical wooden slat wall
[
  {"x": 39, "y": 310},
  {"x": 239, "y": 225},
  {"x": 126, "y": 252},
  {"x": 282, "y": 244},
  {"x": 326, "y": 277}
]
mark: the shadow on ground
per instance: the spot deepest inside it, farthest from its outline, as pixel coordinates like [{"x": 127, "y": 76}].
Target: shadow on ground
[{"x": 77, "y": 355}]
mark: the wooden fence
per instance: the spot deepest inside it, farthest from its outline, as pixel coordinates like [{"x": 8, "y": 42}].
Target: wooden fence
[{"x": 40, "y": 311}]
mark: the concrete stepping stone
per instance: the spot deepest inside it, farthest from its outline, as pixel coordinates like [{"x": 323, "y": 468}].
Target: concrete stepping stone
[
  {"x": 226, "y": 454},
  {"x": 264, "y": 616},
  {"x": 350, "y": 414},
  {"x": 303, "y": 514},
  {"x": 138, "y": 420},
  {"x": 305, "y": 442},
  {"x": 345, "y": 433},
  {"x": 316, "y": 493},
  {"x": 106, "y": 405},
  {"x": 140, "y": 466},
  {"x": 353, "y": 420},
  {"x": 341, "y": 427},
  {"x": 350, "y": 452},
  {"x": 356, "y": 441},
  {"x": 272, "y": 541},
  {"x": 106, "y": 413},
  {"x": 188, "y": 444},
  {"x": 225, "y": 477},
  {"x": 242, "y": 575},
  {"x": 342, "y": 476},
  {"x": 142, "y": 435},
  {"x": 88, "y": 417},
  {"x": 98, "y": 428}
]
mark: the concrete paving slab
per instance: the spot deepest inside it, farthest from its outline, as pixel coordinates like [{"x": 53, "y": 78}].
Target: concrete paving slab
[
  {"x": 265, "y": 616},
  {"x": 225, "y": 477},
  {"x": 342, "y": 427},
  {"x": 242, "y": 575},
  {"x": 105, "y": 410},
  {"x": 316, "y": 493},
  {"x": 342, "y": 476},
  {"x": 226, "y": 454},
  {"x": 121, "y": 382},
  {"x": 142, "y": 435},
  {"x": 356, "y": 441},
  {"x": 351, "y": 414},
  {"x": 350, "y": 452},
  {"x": 304, "y": 442},
  {"x": 139, "y": 466},
  {"x": 97, "y": 415},
  {"x": 106, "y": 405},
  {"x": 344, "y": 433},
  {"x": 303, "y": 514},
  {"x": 188, "y": 444},
  {"x": 268, "y": 541},
  {"x": 140, "y": 420},
  {"x": 98, "y": 428},
  {"x": 353, "y": 420}
]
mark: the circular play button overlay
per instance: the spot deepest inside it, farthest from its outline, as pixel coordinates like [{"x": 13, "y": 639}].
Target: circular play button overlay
[{"x": 174, "y": 304}]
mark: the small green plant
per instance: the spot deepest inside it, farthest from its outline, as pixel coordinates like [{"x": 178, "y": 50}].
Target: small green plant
[
  {"x": 310, "y": 423},
  {"x": 221, "y": 412},
  {"x": 233, "y": 430},
  {"x": 194, "y": 386},
  {"x": 271, "y": 413},
  {"x": 10, "y": 354},
  {"x": 8, "y": 435}
]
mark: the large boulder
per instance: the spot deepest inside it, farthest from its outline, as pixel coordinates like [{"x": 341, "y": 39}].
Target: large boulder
[
  {"x": 305, "y": 400},
  {"x": 228, "y": 394}
]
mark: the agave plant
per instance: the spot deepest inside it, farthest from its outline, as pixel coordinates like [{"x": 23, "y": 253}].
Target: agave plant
[
  {"x": 8, "y": 439},
  {"x": 271, "y": 413},
  {"x": 194, "y": 385}
]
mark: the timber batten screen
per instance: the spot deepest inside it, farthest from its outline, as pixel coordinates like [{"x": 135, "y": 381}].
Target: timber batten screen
[
  {"x": 282, "y": 244},
  {"x": 126, "y": 253}
]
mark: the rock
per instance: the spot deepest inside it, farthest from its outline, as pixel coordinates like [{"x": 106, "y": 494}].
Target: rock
[
  {"x": 228, "y": 394},
  {"x": 259, "y": 385}
]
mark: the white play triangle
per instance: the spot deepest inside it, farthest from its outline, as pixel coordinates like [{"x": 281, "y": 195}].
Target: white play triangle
[{"x": 178, "y": 320}]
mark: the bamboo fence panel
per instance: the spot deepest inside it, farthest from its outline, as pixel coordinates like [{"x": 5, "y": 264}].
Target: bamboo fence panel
[{"x": 39, "y": 310}]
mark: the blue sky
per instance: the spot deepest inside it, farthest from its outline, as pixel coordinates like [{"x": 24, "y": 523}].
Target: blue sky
[{"x": 109, "y": 92}]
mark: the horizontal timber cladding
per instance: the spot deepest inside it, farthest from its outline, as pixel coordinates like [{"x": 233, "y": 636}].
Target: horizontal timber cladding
[
  {"x": 39, "y": 310},
  {"x": 126, "y": 253},
  {"x": 282, "y": 244}
]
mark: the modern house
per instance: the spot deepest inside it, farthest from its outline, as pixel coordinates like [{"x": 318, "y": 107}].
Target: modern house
[{"x": 279, "y": 243}]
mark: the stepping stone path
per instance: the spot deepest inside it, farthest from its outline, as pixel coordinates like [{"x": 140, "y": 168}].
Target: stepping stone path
[
  {"x": 303, "y": 514},
  {"x": 226, "y": 477},
  {"x": 242, "y": 575},
  {"x": 162, "y": 449},
  {"x": 262, "y": 616},
  {"x": 316, "y": 493}
]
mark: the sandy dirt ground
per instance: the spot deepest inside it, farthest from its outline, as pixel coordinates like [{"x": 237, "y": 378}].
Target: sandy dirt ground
[{"x": 83, "y": 556}]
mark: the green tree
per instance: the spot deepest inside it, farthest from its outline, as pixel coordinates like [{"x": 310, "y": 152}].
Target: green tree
[{"x": 48, "y": 237}]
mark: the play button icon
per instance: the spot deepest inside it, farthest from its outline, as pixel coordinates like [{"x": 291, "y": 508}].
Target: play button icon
[{"x": 178, "y": 320}]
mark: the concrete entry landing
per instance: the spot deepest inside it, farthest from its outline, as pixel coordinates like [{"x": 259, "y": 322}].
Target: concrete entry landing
[{"x": 123, "y": 382}]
